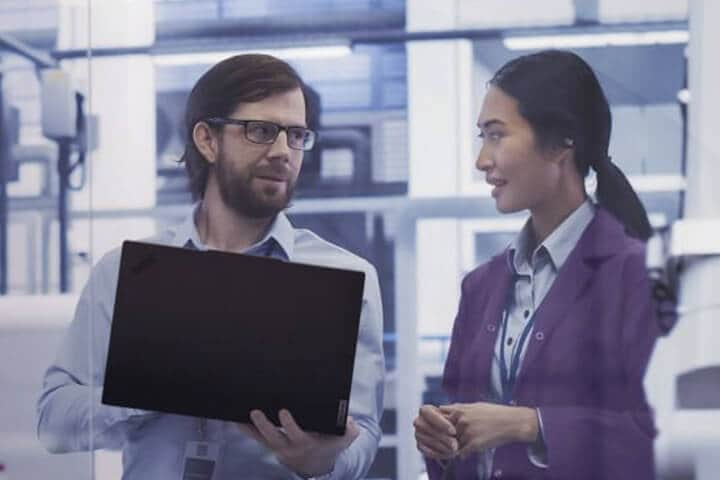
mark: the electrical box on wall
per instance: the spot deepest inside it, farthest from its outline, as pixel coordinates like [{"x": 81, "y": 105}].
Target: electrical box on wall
[{"x": 59, "y": 105}]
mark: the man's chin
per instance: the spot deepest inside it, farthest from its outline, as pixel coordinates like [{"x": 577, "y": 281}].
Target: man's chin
[{"x": 260, "y": 208}]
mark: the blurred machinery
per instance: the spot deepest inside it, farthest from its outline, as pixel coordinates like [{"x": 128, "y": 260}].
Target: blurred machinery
[
  {"x": 9, "y": 126},
  {"x": 64, "y": 122},
  {"x": 683, "y": 261}
]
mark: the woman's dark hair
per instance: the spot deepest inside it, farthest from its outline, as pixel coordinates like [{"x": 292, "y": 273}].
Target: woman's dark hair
[
  {"x": 560, "y": 96},
  {"x": 238, "y": 79}
]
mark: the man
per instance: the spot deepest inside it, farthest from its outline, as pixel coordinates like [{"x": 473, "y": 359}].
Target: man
[{"x": 247, "y": 130}]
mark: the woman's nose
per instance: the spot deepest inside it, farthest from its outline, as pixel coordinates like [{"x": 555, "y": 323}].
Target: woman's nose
[{"x": 483, "y": 161}]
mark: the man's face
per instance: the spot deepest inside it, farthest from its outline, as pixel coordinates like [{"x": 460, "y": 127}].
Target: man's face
[{"x": 257, "y": 180}]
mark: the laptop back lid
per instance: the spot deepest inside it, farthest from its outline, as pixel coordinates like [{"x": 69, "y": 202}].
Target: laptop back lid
[{"x": 215, "y": 335}]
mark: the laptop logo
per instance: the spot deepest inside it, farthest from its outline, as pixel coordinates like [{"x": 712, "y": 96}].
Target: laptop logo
[
  {"x": 143, "y": 264},
  {"x": 342, "y": 411}
]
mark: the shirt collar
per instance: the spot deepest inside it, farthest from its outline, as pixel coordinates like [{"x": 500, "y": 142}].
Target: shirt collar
[
  {"x": 557, "y": 246},
  {"x": 281, "y": 231}
]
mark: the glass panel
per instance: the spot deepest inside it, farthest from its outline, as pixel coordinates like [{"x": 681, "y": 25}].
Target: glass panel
[
  {"x": 392, "y": 179},
  {"x": 38, "y": 292}
]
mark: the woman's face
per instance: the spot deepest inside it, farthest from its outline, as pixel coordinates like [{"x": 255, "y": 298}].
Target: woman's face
[{"x": 523, "y": 175}]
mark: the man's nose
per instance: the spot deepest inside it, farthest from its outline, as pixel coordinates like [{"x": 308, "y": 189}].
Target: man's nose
[{"x": 279, "y": 148}]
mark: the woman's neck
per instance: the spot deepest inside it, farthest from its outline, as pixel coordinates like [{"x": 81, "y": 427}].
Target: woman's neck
[{"x": 546, "y": 218}]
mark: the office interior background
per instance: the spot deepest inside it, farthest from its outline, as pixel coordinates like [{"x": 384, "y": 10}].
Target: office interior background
[{"x": 392, "y": 178}]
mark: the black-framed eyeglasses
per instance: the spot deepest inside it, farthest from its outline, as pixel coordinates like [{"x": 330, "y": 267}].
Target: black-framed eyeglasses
[{"x": 263, "y": 132}]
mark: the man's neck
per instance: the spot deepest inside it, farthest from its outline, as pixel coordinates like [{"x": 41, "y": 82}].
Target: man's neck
[{"x": 222, "y": 228}]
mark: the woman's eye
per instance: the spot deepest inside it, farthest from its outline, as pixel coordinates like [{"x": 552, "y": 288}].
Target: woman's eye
[
  {"x": 494, "y": 136},
  {"x": 490, "y": 136}
]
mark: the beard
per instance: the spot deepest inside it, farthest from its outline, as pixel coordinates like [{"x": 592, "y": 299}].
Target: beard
[{"x": 237, "y": 192}]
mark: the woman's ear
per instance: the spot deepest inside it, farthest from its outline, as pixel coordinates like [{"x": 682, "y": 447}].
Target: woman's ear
[
  {"x": 206, "y": 141},
  {"x": 565, "y": 152}
]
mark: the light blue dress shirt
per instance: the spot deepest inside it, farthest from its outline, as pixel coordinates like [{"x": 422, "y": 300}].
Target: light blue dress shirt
[
  {"x": 539, "y": 266},
  {"x": 153, "y": 444}
]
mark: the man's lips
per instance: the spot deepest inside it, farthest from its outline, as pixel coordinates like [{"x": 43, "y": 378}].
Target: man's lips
[
  {"x": 271, "y": 179},
  {"x": 273, "y": 176}
]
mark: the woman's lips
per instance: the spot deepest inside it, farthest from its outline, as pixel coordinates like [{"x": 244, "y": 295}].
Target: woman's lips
[{"x": 497, "y": 185}]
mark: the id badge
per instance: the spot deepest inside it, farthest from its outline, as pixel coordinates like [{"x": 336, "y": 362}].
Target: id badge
[{"x": 200, "y": 462}]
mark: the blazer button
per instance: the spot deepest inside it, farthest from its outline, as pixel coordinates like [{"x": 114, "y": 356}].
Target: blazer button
[
  {"x": 491, "y": 327},
  {"x": 539, "y": 336}
]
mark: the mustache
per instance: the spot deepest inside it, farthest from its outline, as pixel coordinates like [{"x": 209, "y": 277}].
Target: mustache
[{"x": 279, "y": 171}]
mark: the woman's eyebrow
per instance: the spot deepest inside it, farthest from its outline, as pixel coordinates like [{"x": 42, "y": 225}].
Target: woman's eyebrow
[{"x": 489, "y": 123}]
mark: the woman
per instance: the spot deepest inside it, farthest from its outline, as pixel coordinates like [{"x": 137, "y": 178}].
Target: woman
[{"x": 553, "y": 335}]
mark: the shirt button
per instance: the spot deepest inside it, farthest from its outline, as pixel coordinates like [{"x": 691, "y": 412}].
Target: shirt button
[
  {"x": 498, "y": 473},
  {"x": 539, "y": 336},
  {"x": 491, "y": 327}
]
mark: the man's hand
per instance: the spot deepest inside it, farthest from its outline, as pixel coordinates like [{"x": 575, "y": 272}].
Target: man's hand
[
  {"x": 435, "y": 434},
  {"x": 486, "y": 425},
  {"x": 306, "y": 453}
]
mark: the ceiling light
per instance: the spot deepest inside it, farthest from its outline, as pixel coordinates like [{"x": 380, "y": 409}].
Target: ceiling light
[
  {"x": 586, "y": 40},
  {"x": 210, "y": 58}
]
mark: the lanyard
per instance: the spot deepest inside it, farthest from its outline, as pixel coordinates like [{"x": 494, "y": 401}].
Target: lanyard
[
  {"x": 202, "y": 429},
  {"x": 508, "y": 376}
]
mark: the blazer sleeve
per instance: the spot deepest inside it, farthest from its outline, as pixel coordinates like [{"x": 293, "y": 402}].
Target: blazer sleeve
[
  {"x": 599, "y": 443},
  {"x": 451, "y": 375}
]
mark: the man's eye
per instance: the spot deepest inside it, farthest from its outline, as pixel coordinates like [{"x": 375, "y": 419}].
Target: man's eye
[{"x": 262, "y": 130}]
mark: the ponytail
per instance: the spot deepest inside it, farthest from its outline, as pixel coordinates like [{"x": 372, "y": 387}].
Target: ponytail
[{"x": 617, "y": 196}]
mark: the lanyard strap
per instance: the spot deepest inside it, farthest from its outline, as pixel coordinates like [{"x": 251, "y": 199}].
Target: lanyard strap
[
  {"x": 202, "y": 429},
  {"x": 509, "y": 376}
]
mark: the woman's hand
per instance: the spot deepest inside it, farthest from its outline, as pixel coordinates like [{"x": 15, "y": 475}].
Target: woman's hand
[
  {"x": 483, "y": 425},
  {"x": 435, "y": 434}
]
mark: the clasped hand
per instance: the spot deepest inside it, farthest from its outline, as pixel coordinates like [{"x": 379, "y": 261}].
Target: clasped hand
[
  {"x": 454, "y": 430},
  {"x": 306, "y": 453}
]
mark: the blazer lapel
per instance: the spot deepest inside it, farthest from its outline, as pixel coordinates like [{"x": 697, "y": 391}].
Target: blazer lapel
[
  {"x": 602, "y": 238},
  {"x": 486, "y": 312}
]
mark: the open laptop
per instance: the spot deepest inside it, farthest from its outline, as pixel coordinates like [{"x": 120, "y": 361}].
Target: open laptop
[{"x": 215, "y": 335}]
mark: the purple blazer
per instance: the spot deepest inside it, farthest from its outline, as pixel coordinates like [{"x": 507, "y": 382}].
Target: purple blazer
[{"x": 583, "y": 367}]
